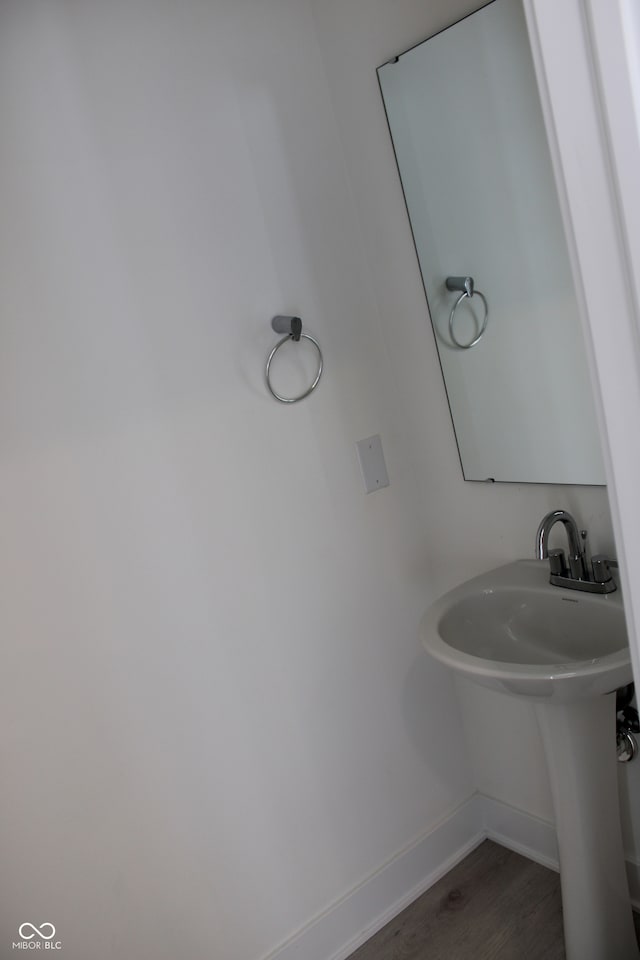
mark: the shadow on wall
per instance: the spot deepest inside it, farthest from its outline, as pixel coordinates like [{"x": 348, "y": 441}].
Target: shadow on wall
[{"x": 428, "y": 693}]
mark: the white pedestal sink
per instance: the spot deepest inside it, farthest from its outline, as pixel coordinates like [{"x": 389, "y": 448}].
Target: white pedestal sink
[{"x": 512, "y": 631}]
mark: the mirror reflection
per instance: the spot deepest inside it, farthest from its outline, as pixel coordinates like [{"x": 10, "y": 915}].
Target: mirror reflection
[{"x": 468, "y": 132}]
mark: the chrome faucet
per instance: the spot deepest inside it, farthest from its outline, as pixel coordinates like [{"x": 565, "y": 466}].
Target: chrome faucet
[
  {"x": 581, "y": 574},
  {"x": 577, "y": 559}
]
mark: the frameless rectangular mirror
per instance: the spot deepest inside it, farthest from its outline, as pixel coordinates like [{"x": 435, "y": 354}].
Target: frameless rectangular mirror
[{"x": 468, "y": 132}]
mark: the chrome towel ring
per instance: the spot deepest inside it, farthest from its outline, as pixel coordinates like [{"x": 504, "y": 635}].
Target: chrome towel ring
[
  {"x": 467, "y": 286},
  {"x": 292, "y": 328}
]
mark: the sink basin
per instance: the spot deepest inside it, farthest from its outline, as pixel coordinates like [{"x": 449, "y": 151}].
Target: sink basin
[{"x": 509, "y": 629}]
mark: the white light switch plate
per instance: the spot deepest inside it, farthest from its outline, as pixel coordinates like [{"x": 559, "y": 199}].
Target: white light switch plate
[{"x": 374, "y": 469}]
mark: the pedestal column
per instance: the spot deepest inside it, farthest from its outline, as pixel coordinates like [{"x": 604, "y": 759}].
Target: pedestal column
[{"x": 580, "y": 745}]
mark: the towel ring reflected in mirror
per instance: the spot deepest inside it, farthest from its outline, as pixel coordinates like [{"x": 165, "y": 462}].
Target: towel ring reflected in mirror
[{"x": 467, "y": 286}]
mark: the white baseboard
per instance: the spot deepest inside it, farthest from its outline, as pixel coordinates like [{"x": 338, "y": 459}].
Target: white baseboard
[
  {"x": 536, "y": 839},
  {"x": 351, "y": 920},
  {"x": 347, "y": 923},
  {"x": 519, "y": 831}
]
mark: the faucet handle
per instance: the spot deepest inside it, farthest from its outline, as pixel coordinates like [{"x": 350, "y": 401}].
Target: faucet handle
[
  {"x": 601, "y": 570},
  {"x": 557, "y": 565}
]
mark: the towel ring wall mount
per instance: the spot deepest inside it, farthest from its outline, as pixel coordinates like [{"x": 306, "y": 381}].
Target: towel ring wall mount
[
  {"x": 467, "y": 286},
  {"x": 291, "y": 327}
]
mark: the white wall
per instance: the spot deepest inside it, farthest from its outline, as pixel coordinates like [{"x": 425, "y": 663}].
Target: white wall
[
  {"x": 216, "y": 716},
  {"x": 468, "y": 527}
]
